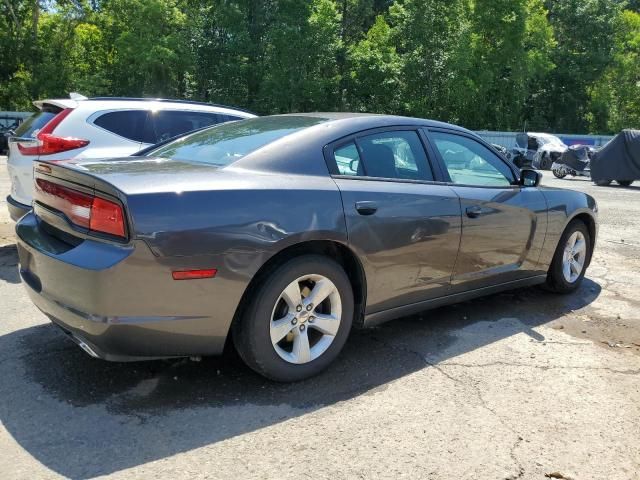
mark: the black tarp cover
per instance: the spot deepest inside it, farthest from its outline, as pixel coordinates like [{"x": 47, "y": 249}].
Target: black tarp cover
[
  {"x": 619, "y": 159},
  {"x": 576, "y": 157}
]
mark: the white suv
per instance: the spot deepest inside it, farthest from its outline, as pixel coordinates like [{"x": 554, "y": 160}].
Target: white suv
[{"x": 81, "y": 127}]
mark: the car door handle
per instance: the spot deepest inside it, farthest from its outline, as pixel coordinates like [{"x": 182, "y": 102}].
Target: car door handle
[
  {"x": 474, "y": 212},
  {"x": 366, "y": 208}
]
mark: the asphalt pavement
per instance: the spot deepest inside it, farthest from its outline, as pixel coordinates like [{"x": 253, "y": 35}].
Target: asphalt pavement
[{"x": 524, "y": 384}]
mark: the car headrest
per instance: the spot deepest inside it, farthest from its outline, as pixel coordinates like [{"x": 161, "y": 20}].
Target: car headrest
[{"x": 380, "y": 161}]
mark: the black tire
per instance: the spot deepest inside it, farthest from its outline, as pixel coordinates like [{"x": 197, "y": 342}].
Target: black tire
[
  {"x": 624, "y": 183},
  {"x": 556, "y": 281},
  {"x": 602, "y": 183},
  {"x": 251, "y": 333},
  {"x": 557, "y": 174}
]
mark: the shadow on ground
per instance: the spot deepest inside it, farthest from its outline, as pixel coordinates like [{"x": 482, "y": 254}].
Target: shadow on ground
[{"x": 82, "y": 417}]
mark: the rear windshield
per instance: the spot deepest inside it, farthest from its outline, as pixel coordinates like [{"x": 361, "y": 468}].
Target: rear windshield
[
  {"x": 32, "y": 125},
  {"x": 224, "y": 144}
]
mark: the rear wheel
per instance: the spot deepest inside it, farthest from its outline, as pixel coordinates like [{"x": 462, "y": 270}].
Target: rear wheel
[
  {"x": 624, "y": 183},
  {"x": 297, "y": 321},
  {"x": 559, "y": 174},
  {"x": 571, "y": 258},
  {"x": 602, "y": 183}
]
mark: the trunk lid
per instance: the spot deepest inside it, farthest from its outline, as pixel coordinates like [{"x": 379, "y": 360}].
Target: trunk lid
[
  {"x": 74, "y": 206},
  {"x": 66, "y": 187},
  {"x": 135, "y": 175}
]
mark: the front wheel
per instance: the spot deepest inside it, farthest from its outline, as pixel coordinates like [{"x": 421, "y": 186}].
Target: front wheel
[
  {"x": 559, "y": 173},
  {"x": 571, "y": 258},
  {"x": 297, "y": 320},
  {"x": 624, "y": 183}
]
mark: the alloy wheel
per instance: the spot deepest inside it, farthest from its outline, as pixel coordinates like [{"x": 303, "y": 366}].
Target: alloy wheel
[
  {"x": 305, "y": 319},
  {"x": 575, "y": 254}
]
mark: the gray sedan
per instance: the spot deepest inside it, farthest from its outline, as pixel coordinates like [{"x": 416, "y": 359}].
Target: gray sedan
[{"x": 283, "y": 233}]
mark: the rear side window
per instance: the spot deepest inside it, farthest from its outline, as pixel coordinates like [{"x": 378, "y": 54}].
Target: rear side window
[
  {"x": 125, "y": 123},
  {"x": 31, "y": 126},
  {"x": 395, "y": 154},
  {"x": 348, "y": 160},
  {"x": 171, "y": 123}
]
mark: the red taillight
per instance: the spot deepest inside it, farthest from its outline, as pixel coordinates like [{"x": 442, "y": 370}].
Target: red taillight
[
  {"x": 107, "y": 217},
  {"x": 47, "y": 143},
  {"x": 194, "y": 274},
  {"x": 82, "y": 209},
  {"x": 74, "y": 204}
]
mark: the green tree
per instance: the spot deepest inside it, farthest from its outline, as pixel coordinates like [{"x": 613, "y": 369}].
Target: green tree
[
  {"x": 584, "y": 30},
  {"x": 147, "y": 46},
  {"x": 301, "y": 70},
  {"x": 229, "y": 44},
  {"x": 375, "y": 73},
  {"x": 427, "y": 34},
  {"x": 17, "y": 44},
  {"x": 505, "y": 55},
  {"x": 615, "y": 97}
]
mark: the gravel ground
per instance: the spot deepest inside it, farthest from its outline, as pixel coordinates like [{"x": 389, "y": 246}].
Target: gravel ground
[{"x": 524, "y": 384}]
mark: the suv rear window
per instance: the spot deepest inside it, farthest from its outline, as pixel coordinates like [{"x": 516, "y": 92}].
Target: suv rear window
[
  {"x": 126, "y": 123},
  {"x": 32, "y": 125},
  {"x": 228, "y": 142}
]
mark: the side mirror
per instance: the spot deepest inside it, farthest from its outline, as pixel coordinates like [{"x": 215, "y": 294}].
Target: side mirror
[
  {"x": 353, "y": 165},
  {"x": 529, "y": 178}
]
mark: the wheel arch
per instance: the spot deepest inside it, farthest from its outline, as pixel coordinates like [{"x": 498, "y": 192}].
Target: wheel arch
[{"x": 329, "y": 248}]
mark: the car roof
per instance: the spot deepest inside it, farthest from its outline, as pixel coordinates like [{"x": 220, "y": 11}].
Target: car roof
[
  {"x": 543, "y": 135},
  {"x": 375, "y": 120},
  {"x": 142, "y": 103},
  {"x": 168, "y": 100},
  {"x": 296, "y": 152}
]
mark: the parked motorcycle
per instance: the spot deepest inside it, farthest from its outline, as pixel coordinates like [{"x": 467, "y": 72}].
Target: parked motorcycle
[{"x": 574, "y": 161}]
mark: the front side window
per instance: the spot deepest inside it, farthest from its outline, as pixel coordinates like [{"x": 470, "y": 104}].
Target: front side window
[
  {"x": 396, "y": 154},
  {"x": 471, "y": 163}
]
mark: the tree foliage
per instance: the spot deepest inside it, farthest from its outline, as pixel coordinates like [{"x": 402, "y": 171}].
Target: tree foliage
[
  {"x": 615, "y": 97},
  {"x": 570, "y": 65}
]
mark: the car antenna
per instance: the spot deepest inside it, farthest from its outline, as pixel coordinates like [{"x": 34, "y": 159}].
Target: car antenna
[{"x": 77, "y": 96}]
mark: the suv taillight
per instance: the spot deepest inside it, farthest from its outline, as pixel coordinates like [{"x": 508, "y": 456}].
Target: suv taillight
[
  {"x": 82, "y": 209},
  {"x": 46, "y": 143}
]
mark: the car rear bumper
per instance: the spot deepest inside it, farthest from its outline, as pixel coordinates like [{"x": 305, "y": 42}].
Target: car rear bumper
[
  {"x": 118, "y": 302},
  {"x": 16, "y": 209}
]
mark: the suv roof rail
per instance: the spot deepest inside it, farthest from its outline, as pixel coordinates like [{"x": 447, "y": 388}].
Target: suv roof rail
[{"x": 168, "y": 100}]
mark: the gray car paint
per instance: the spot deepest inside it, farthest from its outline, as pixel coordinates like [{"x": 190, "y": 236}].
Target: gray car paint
[{"x": 120, "y": 300}]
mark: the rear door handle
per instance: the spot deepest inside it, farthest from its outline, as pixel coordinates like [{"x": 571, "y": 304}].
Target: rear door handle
[
  {"x": 366, "y": 208},
  {"x": 474, "y": 212}
]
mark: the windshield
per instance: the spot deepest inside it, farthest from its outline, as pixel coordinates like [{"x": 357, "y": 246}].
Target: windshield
[
  {"x": 549, "y": 140},
  {"x": 224, "y": 144}
]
